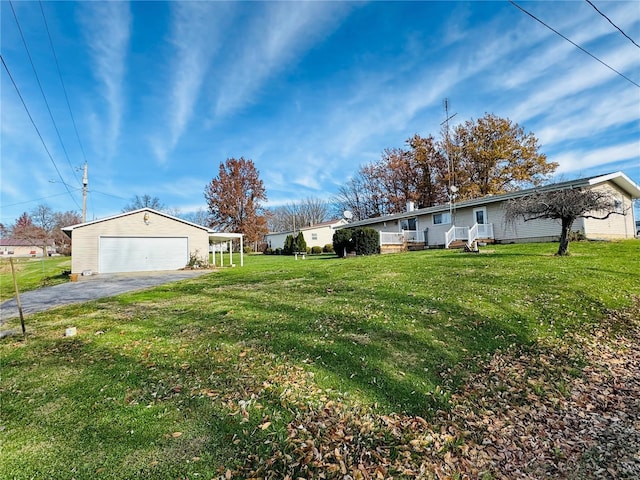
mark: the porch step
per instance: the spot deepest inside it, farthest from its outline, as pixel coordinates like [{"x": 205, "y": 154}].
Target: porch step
[
  {"x": 458, "y": 244},
  {"x": 416, "y": 246}
]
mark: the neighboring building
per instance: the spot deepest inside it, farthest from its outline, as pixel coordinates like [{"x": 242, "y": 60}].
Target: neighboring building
[
  {"x": 13, "y": 247},
  {"x": 483, "y": 219},
  {"x": 141, "y": 240},
  {"x": 317, "y": 235}
]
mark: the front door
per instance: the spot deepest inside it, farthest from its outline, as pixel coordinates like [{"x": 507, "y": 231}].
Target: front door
[{"x": 480, "y": 215}]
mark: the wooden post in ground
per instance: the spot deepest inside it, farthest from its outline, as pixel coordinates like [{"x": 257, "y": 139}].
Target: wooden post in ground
[{"x": 15, "y": 286}]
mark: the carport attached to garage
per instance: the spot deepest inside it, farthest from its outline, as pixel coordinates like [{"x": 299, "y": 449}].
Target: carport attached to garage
[{"x": 142, "y": 254}]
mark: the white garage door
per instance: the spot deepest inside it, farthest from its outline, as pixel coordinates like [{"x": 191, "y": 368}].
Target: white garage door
[{"x": 142, "y": 254}]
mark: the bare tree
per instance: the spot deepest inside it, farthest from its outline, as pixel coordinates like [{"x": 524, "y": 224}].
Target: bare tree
[
  {"x": 60, "y": 220},
  {"x": 144, "y": 201},
  {"x": 199, "y": 217},
  {"x": 38, "y": 233},
  {"x": 295, "y": 215},
  {"x": 364, "y": 194},
  {"x": 565, "y": 205},
  {"x": 415, "y": 174}
]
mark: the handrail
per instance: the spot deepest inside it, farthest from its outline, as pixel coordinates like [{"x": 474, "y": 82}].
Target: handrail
[
  {"x": 473, "y": 235},
  {"x": 449, "y": 236}
]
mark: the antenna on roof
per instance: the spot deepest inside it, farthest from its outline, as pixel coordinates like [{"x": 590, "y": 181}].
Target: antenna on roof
[
  {"x": 452, "y": 187},
  {"x": 348, "y": 214}
]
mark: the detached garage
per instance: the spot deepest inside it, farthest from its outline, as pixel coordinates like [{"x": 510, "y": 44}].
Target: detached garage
[{"x": 143, "y": 240}]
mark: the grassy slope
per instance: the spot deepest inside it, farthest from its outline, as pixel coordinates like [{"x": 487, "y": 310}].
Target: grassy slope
[
  {"x": 32, "y": 273},
  {"x": 196, "y": 376}
]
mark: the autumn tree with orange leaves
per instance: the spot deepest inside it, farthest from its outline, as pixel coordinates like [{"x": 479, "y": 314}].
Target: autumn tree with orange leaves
[
  {"x": 414, "y": 174},
  {"x": 234, "y": 200},
  {"x": 488, "y": 156},
  {"x": 493, "y": 155}
]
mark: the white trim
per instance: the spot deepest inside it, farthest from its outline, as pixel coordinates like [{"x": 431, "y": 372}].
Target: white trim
[{"x": 482, "y": 209}]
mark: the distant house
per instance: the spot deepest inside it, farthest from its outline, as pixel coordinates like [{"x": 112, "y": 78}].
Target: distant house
[
  {"x": 317, "y": 235},
  {"x": 14, "y": 247},
  {"x": 142, "y": 240},
  {"x": 483, "y": 220}
]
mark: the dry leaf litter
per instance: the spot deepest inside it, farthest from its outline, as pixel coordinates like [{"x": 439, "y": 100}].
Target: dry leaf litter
[{"x": 569, "y": 410}]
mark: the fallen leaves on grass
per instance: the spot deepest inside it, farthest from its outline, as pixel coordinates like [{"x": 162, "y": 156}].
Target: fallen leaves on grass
[{"x": 569, "y": 410}]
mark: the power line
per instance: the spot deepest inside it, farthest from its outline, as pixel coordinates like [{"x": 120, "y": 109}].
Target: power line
[
  {"x": 55, "y": 126},
  {"x": 37, "y": 131},
  {"x": 573, "y": 43},
  {"x": 109, "y": 195},
  {"x": 66, "y": 97},
  {"x": 609, "y": 20},
  {"x": 34, "y": 200}
]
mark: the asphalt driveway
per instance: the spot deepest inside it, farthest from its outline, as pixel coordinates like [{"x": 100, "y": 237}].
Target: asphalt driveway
[{"x": 90, "y": 288}]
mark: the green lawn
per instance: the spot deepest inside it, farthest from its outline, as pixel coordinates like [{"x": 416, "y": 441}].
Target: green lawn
[
  {"x": 199, "y": 378},
  {"x": 32, "y": 273}
]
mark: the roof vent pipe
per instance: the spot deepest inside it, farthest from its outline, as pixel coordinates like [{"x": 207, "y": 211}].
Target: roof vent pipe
[{"x": 411, "y": 206}]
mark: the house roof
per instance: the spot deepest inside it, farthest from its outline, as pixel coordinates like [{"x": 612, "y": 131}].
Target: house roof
[
  {"x": 18, "y": 242},
  {"x": 618, "y": 178},
  {"x": 213, "y": 235},
  {"x": 330, "y": 223}
]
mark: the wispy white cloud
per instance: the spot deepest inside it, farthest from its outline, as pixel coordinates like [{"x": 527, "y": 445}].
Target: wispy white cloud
[
  {"x": 107, "y": 29},
  {"x": 274, "y": 38},
  {"x": 580, "y": 118},
  {"x": 578, "y": 159},
  {"x": 196, "y": 31},
  {"x": 564, "y": 87}
]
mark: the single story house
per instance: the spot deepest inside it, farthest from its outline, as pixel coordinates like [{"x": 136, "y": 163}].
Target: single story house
[
  {"x": 142, "y": 240},
  {"x": 15, "y": 247},
  {"x": 483, "y": 219},
  {"x": 317, "y": 235}
]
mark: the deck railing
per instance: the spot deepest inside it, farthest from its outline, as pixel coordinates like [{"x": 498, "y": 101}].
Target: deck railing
[
  {"x": 470, "y": 235},
  {"x": 391, "y": 238},
  {"x": 400, "y": 238}
]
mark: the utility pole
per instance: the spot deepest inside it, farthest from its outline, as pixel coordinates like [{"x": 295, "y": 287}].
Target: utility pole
[{"x": 85, "y": 183}]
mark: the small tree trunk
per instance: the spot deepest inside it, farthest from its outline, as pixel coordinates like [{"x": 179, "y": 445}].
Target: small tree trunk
[{"x": 563, "y": 249}]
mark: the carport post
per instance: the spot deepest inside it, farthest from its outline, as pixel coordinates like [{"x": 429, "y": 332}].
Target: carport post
[
  {"x": 241, "y": 253},
  {"x": 230, "y": 253},
  {"x": 221, "y": 257}
]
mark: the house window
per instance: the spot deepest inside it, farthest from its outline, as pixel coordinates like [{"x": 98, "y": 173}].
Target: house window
[
  {"x": 314, "y": 236},
  {"x": 408, "y": 224},
  {"x": 617, "y": 204},
  {"x": 441, "y": 218}
]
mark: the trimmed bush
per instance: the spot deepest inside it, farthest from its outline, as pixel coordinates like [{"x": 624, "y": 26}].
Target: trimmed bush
[
  {"x": 301, "y": 243},
  {"x": 289, "y": 244},
  {"x": 366, "y": 241},
  {"x": 328, "y": 248},
  {"x": 315, "y": 250},
  {"x": 362, "y": 241},
  {"x": 342, "y": 241}
]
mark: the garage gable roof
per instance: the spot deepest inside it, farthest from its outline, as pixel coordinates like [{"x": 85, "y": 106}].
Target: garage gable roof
[{"x": 213, "y": 235}]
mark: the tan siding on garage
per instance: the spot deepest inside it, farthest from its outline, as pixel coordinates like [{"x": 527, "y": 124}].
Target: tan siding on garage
[
  {"x": 616, "y": 226},
  {"x": 86, "y": 238}
]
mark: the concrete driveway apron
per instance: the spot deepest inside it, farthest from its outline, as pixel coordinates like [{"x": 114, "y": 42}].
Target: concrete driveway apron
[{"x": 90, "y": 288}]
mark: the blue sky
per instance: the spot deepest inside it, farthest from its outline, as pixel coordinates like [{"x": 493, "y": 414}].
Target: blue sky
[{"x": 161, "y": 93}]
